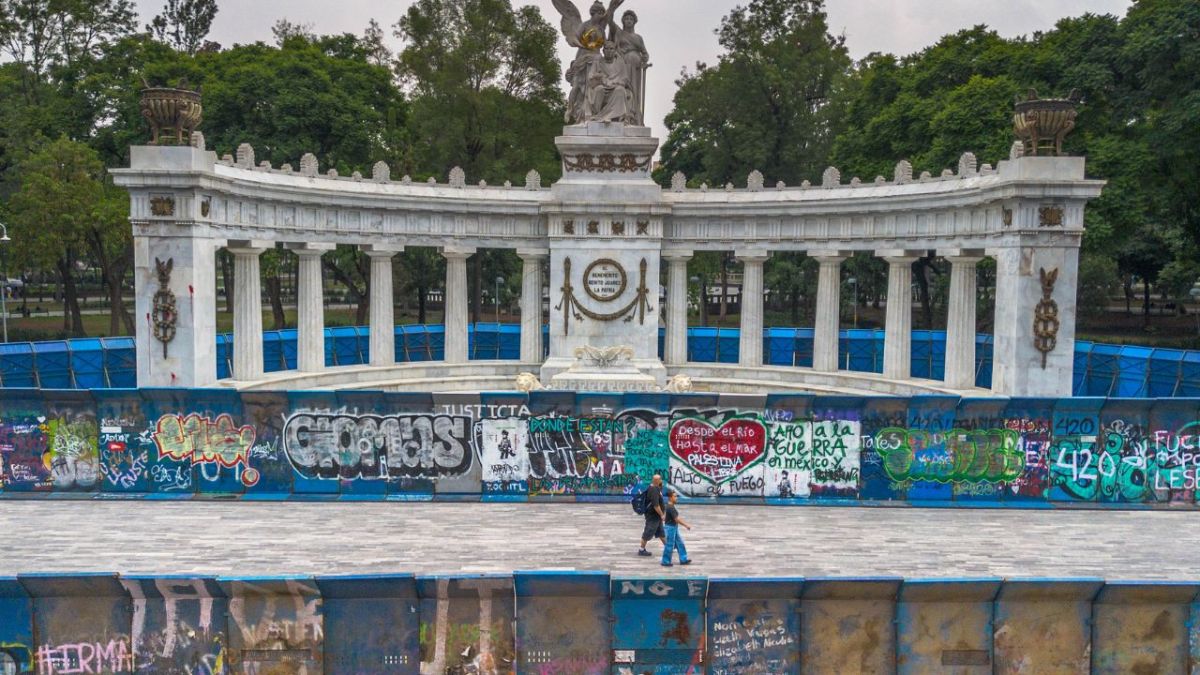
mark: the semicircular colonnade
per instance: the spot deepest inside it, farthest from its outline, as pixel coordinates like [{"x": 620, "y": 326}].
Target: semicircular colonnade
[{"x": 607, "y": 222}]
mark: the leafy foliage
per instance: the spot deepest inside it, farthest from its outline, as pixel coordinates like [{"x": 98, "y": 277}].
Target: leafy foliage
[
  {"x": 771, "y": 103},
  {"x": 183, "y": 24}
]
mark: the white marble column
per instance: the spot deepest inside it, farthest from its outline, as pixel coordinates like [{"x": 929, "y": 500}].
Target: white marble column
[
  {"x": 382, "y": 328},
  {"x": 750, "y": 345},
  {"x": 531, "y": 304},
  {"x": 829, "y": 300},
  {"x": 456, "y": 303},
  {"x": 247, "y": 309},
  {"x": 960, "y": 320},
  {"x": 310, "y": 307},
  {"x": 189, "y": 359},
  {"x": 1023, "y": 301},
  {"x": 675, "y": 348},
  {"x": 897, "y": 337}
]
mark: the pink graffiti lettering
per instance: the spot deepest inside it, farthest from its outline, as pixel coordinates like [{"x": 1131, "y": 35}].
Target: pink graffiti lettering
[
  {"x": 201, "y": 440},
  {"x": 85, "y": 657}
]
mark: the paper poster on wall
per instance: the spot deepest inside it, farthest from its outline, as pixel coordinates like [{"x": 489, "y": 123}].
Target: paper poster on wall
[{"x": 503, "y": 450}]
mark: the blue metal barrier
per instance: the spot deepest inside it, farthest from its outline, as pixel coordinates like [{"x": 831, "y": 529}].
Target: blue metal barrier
[
  {"x": 174, "y": 443},
  {"x": 557, "y": 623},
  {"x": 1100, "y": 370}
]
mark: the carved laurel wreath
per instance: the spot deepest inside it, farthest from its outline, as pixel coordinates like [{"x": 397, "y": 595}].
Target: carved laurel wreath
[
  {"x": 165, "y": 314},
  {"x": 606, "y": 163},
  {"x": 587, "y": 272},
  {"x": 1045, "y": 316},
  {"x": 572, "y": 307}
]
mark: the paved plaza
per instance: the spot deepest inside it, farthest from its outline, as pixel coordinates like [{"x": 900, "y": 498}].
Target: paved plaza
[{"x": 292, "y": 538}]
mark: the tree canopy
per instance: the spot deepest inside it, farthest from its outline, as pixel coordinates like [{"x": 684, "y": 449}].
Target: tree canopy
[
  {"x": 771, "y": 103},
  {"x": 477, "y": 84}
]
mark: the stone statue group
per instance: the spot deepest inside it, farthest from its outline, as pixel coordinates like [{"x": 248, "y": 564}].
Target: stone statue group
[{"x": 608, "y": 75}]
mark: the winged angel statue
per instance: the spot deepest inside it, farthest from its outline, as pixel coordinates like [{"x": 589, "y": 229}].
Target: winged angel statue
[{"x": 608, "y": 74}]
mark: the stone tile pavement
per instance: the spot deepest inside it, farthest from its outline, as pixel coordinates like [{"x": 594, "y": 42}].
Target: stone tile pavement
[{"x": 281, "y": 538}]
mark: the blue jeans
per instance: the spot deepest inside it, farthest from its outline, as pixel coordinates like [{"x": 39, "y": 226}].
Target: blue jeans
[{"x": 674, "y": 542}]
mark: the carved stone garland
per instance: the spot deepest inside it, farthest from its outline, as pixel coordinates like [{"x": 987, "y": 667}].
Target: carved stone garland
[
  {"x": 606, "y": 163},
  {"x": 165, "y": 314},
  {"x": 1045, "y": 316},
  {"x": 571, "y": 306}
]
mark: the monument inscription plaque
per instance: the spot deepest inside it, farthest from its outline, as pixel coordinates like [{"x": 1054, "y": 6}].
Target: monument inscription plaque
[{"x": 604, "y": 280}]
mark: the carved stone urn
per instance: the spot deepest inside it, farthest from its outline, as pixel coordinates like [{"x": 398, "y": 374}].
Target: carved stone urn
[
  {"x": 1043, "y": 123},
  {"x": 171, "y": 110}
]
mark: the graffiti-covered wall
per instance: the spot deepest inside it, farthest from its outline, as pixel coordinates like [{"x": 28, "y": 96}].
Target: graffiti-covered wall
[
  {"x": 786, "y": 449},
  {"x": 591, "y": 623}
]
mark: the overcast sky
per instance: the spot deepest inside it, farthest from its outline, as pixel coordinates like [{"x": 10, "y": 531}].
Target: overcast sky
[{"x": 680, "y": 32}]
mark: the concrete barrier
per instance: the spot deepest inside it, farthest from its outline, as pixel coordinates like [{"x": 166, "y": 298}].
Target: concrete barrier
[
  {"x": 372, "y": 624},
  {"x": 945, "y": 625},
  {"x": 544, "y": 623},
  {"x": 275, "y": 624},
  {"x": 562, "y": 623},
  {"x": 467, "y": 623},
  {"x": 1044, "y": 625},
  {"x": 848, "y": 625},
  {"x": 164, "y": 444},
  {"x": 753, "y": 626},
  {"x": 658, "y": 625}
]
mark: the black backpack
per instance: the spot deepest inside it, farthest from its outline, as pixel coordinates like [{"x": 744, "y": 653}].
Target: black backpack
[{"x": 641, "y": 502}]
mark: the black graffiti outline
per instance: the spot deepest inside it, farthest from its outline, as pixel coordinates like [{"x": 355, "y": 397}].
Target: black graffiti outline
[{"x": 378, "y": 447}]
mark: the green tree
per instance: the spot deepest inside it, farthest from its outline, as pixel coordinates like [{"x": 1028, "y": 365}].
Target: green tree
[
  {"x": 1098, "y": 282},
  {"x": 1161, "y": 56},
  {"x": 769, "y": 104},
  {"x": 183, "y": 24},
  {"x": 423, "y": 269},
  {"x": 485, "y": 94},
  {"x": 60, "y": 199},
  {"x": 792, "y": 277}
]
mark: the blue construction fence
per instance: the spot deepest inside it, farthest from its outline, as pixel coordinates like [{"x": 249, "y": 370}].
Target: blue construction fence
[
  {"x": 787, "y": 449},
  {"x": 592, "y": 623},
  {"x": 1100, "y": 369}
]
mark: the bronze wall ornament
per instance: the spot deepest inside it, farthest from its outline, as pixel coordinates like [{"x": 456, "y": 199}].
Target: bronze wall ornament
[
  {"x": 593, "y": 227},
  {"x": 1006, "y": 216},
  {"x": 618, "y": 228},
  {"x": 568, "y": 227},
  {"x": 643, "y": 227},
  {"x": 607, "y": 163},
  {"x": 1045, "y": 316},
  {"x": 205, "y": 207},
  {"x": 165, "y": 314},
  {"x": 572, "y": 307},
  {"x": 162, "y": 206},
  {"x": 1050, "y": 216}
]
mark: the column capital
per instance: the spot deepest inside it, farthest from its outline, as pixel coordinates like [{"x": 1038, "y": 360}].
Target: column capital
[
  {"x": 752, "y": 255},
  {"x": 248, "y": 246},
  {"x": 309, "y": 248},
  {"x": 899, "y": 255},
  {"x": 962, "y": 255},
  {"x": 828, "y": 257},
  {"x": 533, "y": 253},
  {"x": 381, "y": 250},
  {"x": 457, "y": 252},
  {"x": 677, "y": 256}
]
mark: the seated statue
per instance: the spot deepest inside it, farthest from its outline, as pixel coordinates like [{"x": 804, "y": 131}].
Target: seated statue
[
  {"x": 610, "y": 93},
  {"x": 588, "y": 37}
]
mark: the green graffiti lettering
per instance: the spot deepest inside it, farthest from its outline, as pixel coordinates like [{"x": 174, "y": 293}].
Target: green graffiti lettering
[{"x": 955, "y": 456}]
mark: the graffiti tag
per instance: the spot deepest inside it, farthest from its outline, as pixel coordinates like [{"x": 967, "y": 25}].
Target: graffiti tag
[{"x": 341, "y": 445}]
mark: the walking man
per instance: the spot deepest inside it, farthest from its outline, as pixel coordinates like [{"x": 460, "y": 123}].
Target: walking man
[
  {"x": 655, "y": 513},
  {"x": 674, "y": 538}
]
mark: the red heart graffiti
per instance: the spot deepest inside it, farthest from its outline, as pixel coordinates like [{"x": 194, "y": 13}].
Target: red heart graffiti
[{"x": 718, "y": 453}]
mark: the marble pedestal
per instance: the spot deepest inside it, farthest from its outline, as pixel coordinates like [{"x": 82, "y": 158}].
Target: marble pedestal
[{"x": 605, "y": 231}]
